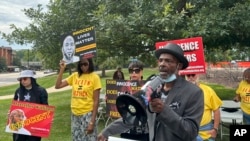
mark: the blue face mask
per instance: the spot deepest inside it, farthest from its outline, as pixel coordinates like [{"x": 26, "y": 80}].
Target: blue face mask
[{"x": 171, "y": 78}]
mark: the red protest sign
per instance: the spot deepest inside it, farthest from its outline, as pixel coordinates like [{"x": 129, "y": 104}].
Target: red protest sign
[
  {"x": 30, "y": 119},
  {"x": 193, "y": 51}
]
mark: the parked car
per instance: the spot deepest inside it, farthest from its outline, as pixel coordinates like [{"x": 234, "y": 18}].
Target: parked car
[{"x": 48, "y": 71}]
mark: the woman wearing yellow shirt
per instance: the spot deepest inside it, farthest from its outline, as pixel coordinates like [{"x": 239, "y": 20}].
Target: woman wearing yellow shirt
[
  {"x": 243, "y": 96},
  {"x": 86, "y": 86}
]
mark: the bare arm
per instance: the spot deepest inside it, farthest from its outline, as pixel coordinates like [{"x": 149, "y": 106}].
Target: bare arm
[
  {"x": 237, "y": 98},
  {"x": 94, "y": 112},
  {"x": 96, "y": 104},
  {"x": 217, "y": 118},
  {"x": 59, "y": 82}
]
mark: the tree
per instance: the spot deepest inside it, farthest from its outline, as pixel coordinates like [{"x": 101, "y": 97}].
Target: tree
[
  {"x": 16, "y": 61},
  {"x": 129, "y": 29},
  {"x": 3, "y": 65}
]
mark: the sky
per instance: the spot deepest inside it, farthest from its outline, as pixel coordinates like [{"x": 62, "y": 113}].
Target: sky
[{"x": 11, "y": 13}]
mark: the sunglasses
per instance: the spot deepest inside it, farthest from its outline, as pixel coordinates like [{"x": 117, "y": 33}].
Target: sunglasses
[
  {"x": 134, "y": 70},
  {"x": 189, "y": 75},
  {"x": 24, "y": 78},
  {"x": 84, "y": 64}
]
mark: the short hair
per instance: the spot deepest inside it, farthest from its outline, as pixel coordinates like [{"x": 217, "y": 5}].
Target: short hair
[
  {"x": 136, "y": 64},
  {"x": 246, "y": 71}
]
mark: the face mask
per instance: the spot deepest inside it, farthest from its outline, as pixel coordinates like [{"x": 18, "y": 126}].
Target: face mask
[{"x": 171, "y": 78}]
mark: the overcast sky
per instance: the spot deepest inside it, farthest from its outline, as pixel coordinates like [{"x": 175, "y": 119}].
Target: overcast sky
[{"x": 11, "y": 13}]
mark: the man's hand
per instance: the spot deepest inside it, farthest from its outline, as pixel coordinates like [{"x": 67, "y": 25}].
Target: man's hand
[
  {"x": 157, "y": 105},
  {"x": 100, "y": 137}
]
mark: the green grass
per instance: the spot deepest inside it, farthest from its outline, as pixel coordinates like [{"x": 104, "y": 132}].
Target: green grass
[
  {"x": 10, "y": 89},
  {"x": 61, "y": 100},
  {"x": 223, "y": 92}
]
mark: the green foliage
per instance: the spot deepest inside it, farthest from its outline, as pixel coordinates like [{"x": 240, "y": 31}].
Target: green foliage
[
  {"x": 223, "y": 92},
  {"x": 129, "y": 29},
  {"x": 8, "y": 90},
  {"x": 3, "y": 65},
  {"x": 16, "y": 61}
]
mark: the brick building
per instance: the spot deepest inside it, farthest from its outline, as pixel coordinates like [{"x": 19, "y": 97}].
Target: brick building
[{"x": 7, "y": 53}]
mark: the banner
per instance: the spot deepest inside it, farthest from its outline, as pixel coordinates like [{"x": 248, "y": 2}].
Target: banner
[
  {"x": 115, "y": 88},
  {"x": 30, "y": 119},
  {"x": 193, "y": 51}
]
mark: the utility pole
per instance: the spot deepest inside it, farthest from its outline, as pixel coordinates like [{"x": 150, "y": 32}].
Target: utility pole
[{"x": 28, "y": 58}]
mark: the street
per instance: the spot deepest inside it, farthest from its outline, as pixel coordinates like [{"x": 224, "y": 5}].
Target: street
[{"x": 11, "y": 78}]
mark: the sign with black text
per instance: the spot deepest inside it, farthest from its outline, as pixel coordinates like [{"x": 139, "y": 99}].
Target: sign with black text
[
  {"x": 80, "y": 43},
  {"x": 115, "y": 88}
]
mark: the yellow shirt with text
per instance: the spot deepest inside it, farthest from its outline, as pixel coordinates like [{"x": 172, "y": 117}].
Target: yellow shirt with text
[
  {"x": 244, "y": 91},
  {"x": 211, "y": 102},
  {"x": 82, "y": 91}
]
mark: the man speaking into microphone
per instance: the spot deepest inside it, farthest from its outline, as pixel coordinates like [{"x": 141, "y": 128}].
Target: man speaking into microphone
[{"x": 175, "y": 116}]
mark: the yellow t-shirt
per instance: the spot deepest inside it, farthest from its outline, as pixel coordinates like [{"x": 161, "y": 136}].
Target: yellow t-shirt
[
  {"x": 244, "y": 91},
  {"x": 82, "y": 92},
  {"x": 211, "y": 102}
]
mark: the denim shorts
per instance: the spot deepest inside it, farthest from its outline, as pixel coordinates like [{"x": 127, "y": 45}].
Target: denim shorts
[{"x": 246, "y": 118}]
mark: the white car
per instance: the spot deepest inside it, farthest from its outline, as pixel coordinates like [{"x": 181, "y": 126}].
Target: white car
[{"x": 47, "y": 71}]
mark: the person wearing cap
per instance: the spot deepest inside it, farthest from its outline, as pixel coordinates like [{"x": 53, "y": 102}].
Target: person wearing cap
[
  {"x": 176, "y": 115},
  {"x": 86, "y": 86},
  {"x": 135, "y": 69},
  {"x": 29, "y": 91},
  {"x": 211, "y": 117},
  {"x": 118, "y": 74}
]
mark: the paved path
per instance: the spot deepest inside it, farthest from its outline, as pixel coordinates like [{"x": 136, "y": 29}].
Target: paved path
[{"x": 49, "y": 90}]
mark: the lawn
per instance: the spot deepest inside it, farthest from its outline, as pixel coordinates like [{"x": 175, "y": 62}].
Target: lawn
[{"x": 61, "y": 100}]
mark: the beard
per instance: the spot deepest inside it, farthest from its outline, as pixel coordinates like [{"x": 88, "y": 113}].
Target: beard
[{"x": 68, "y": 56}]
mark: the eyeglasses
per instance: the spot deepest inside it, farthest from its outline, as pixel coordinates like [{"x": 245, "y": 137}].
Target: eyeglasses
[
  {"x": 134, "y": 70},
  {"x": 84, "y": 64},
  {"x": 189, "y": 75},
  {"x": 24, "y": 78}
]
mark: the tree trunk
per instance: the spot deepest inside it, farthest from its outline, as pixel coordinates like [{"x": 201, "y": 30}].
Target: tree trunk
[{"x": 103, "y": 72}]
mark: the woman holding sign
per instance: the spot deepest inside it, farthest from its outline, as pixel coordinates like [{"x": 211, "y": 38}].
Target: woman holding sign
[
  {"x": 29, "y": 91},
  {"x": 86, "y": 86}
]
